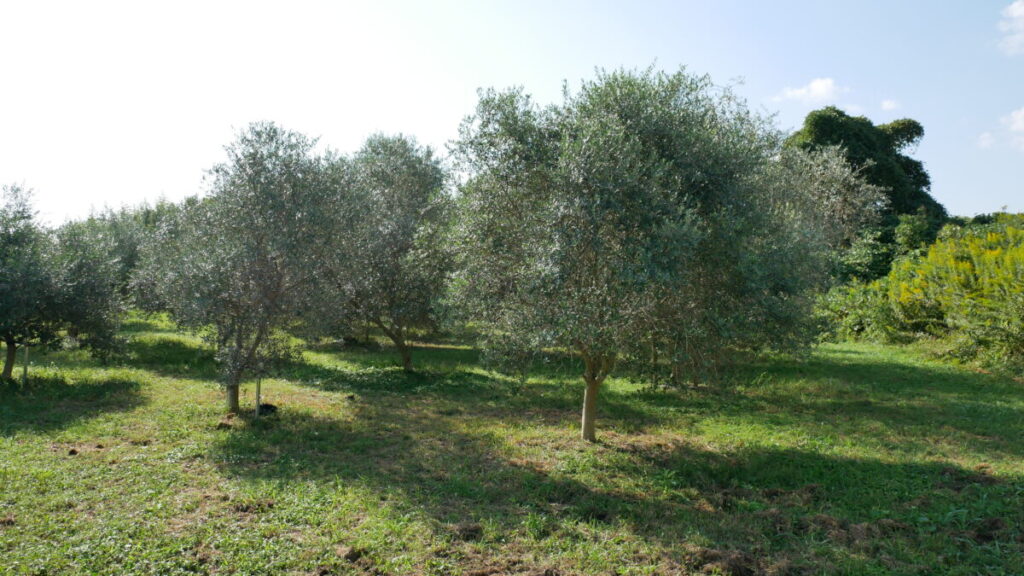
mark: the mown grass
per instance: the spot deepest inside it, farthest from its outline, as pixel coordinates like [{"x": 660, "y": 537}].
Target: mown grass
[{"x": 859, "y": 460}]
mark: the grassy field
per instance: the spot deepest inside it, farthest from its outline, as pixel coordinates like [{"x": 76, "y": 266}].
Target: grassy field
[{"x": 860, "y": 460}]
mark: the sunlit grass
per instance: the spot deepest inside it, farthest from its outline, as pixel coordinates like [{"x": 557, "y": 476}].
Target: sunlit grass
[{"x": 862, "y": 459}]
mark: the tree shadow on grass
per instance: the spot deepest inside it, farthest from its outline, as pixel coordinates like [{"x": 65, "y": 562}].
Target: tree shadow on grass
[
  {"x": 424, "y": 467},
  {"x": 912, "y": 403},
  {"x": 768, "y": 503},
  {"x": 906, "y": 407},
  {"x": 172, "y": 356},
  {"x": 426, "y": 355},
  {"x": 449, "y": 378},
  {"x": 893, "y": 378},
  {"x": 53, "y": 401}
]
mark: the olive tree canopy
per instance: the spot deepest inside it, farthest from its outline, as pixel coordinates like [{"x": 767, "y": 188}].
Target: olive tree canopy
[
  {"x": 27, "y": 303},
  {"x": 244, "y": 261},
  {"x": 54, "y": 284},
  {"x": 646, "y": 211},
  {"x": 398, "y": 256}
]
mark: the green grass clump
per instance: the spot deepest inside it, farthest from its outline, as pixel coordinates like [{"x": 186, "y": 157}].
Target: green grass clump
[{"x": 862, "y": 459}]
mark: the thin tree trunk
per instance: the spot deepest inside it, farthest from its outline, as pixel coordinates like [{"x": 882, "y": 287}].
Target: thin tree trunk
[
  {"x": 596, "y": 368},
  {"x": 231, "y": 395},
  {"x": 403, "y": 349},
  {"x": 397, "y": 336},
  {"x": 12, "y": 351},
  {"x": 245, "y": 363},
  {"x": 590, "y": 410}
]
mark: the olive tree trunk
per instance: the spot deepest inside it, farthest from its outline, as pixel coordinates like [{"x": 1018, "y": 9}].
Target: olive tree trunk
[
  {"x": 588, "y": 432},
  {"x": 12, "y": 351},
  {"x": 596, "y": 369},
  {"x": 403, "y": 350},
  {"x": 397, "y": 336},
  {"x": 242, "y": 359},
  {"x": 231, "y": 395}
]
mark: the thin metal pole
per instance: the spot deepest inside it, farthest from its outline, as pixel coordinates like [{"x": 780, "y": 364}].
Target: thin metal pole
[
  {"x": 24, "y": 369},
  {"x": 258, "y": 382}
]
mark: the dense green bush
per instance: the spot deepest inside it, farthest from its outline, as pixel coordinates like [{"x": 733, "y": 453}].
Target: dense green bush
[
  {"x": 859, "y": 311},
  {"x": 968, "y": 286},
  {"x": 910, "y": 215}
]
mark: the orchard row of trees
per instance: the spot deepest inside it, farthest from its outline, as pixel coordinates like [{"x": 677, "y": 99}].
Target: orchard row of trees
[
  {"x": 649, "y": 217},
  {"x": 289, "y": 241}
]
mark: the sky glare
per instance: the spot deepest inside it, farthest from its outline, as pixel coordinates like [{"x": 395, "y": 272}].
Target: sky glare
[{"x": 110, "y": 103}]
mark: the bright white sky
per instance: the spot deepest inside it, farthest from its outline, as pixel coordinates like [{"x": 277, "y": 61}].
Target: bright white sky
[{"x": 110, "y": 103}]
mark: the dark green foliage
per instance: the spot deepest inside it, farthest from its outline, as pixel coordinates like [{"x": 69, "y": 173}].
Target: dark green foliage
[
  {"x": 869, "y": 255},
  {"x": 879, "y": 153},
  {"x": 857, "y": 311},
  {"x": 913, "y": 234}
]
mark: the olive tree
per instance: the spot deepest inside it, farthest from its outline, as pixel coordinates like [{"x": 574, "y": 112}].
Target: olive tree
[
  {"x": 87, "y": 270},
  {"x": 754, "y": 279},
  {"x": 27, "y": 307},
  {"x": 399, "y": 260},
  {"x": 242, "y": 263},
  {"x": 643, "y": 210},
  {"x": 54, "y": 285},
  {"x": 124, "y": 231}
]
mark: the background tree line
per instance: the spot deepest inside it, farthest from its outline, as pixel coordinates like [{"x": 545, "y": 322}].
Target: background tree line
[{"x": 648, "y": 218}]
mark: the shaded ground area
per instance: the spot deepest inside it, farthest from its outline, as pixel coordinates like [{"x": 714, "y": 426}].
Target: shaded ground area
[
  {"x": 858, "y": 460},
  {"x": 55, "y": 400}
]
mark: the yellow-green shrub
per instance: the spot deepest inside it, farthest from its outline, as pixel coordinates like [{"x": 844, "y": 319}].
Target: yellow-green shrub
[
  {"x": 859, "y": 311},
  {"x": 968, "y": 284}
]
